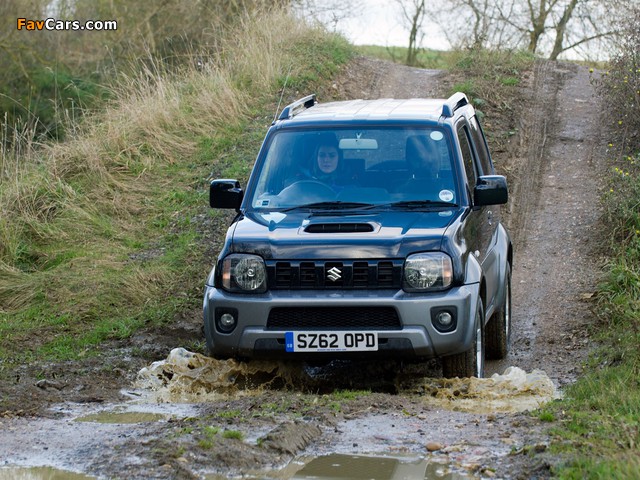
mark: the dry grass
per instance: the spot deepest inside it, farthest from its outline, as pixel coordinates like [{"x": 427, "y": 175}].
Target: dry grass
[{"x": 67, "y": 210}]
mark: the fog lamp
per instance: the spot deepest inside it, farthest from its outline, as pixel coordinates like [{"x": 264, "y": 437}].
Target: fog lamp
[
  {"x": 444, "y": 319},
  {"x": 226, "y": 322}
]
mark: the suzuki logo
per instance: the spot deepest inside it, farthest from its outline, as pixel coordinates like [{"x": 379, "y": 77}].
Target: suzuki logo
[{"x": 334, "y": 274}]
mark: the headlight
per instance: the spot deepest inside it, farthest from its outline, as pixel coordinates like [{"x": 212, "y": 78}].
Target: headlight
[
  {"x": 244, "y": 273},
  {"x": 427, "y": 271}
]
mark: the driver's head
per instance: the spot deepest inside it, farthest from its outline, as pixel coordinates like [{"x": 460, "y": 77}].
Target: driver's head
[
  {"x": 327, "y": 159},
  {"x": 327, "y": 155}
]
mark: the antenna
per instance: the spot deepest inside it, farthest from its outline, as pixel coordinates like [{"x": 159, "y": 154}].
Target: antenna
[{"x": 282, "y": 93}]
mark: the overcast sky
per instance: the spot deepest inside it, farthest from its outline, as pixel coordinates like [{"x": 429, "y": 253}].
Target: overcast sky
[{"x": 379, "y": 22}]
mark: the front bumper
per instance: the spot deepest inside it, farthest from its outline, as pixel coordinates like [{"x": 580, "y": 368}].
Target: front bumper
[{"x": 416, "y": 335}]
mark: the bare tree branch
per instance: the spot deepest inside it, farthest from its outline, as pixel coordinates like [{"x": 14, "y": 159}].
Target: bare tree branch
[{"x": 413, "y": 13}]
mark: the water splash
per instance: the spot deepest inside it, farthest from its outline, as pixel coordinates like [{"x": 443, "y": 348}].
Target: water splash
[
  {"x": 513, "y": 391},
  {"x": 191, "y": 377}
]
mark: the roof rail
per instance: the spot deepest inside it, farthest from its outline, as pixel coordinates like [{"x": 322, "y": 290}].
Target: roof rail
[
  {"x": 454, "y": 102},
  {"x": 298, "y": 106}
]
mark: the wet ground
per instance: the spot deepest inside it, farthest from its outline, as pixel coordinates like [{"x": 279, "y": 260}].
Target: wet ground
[
  {"x": 188, "y": 416},
  {"x": 185, "y": 406}
]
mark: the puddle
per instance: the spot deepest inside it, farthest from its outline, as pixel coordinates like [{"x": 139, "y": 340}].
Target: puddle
[
  {"x": 190, "y": 378},
  {"x": 356, "y": 467},
  {"x": 359, "y": 467},
  {"x": 122, "y": 417},
  {"x": 40, "y": 473}
]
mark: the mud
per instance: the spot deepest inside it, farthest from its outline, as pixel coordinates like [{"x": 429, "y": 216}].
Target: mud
[{"x": 143, "y": 409}]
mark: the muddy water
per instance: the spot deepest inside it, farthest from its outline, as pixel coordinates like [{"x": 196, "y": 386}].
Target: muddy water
[
  {"x": 375, "y": 468},
  {"x": 190, "y": 377},
  {"x": 513, "y": 391},
  {"x": 40, "y": 473},
  {"x": 354, "y": 467},
  {"x": 369, "y": 467}
]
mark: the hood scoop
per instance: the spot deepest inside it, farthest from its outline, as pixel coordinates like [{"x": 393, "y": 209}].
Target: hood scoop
[{"x": 339, "y": 228}]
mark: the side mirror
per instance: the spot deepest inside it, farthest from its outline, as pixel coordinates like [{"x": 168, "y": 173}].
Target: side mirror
[
  {"x": 225, "y": 193},
  {"x": 490, "y": 190}
]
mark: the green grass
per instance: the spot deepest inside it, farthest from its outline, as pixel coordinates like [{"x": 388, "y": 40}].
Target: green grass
[
  {"x": 233, "y": 434},
  {"x": 598, "y": 422},
  {"x": 485, "y": 74},
  {"x": 433, "y": 59},
  {"x": 106, "y": 233},
  {"x": 230, "y": 414},
  {"x": 349, "y": 394}
]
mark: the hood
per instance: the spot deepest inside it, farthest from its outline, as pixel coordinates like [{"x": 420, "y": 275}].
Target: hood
[{"x": 326, "y": 235}]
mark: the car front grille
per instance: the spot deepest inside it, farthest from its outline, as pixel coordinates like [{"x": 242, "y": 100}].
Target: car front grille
[
  {"x": 352, "y": 274},
  {"x": 333, "y": 318}
]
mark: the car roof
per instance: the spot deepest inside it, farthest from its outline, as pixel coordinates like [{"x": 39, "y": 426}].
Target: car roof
[{"x": 386, "y": 109}]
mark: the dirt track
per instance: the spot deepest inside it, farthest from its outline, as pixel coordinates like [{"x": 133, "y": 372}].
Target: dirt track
[{"x": 553, "y": 214}]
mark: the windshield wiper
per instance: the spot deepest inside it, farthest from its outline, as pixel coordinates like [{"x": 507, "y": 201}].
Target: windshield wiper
[
  {"x": 411, "y": 204},
  {"x": 335, "y": 205}
]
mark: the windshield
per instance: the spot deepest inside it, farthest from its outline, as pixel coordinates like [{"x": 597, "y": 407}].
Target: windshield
[{"x": 350, "y": 168}]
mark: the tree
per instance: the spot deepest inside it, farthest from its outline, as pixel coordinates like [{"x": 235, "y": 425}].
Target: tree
[
  {"x": 548, "y": 27},
  {"x": 477, "y": 23},
  {"x": 413, "y": 15},
  {"x": 585, "y": 22},
  {"x": 327, "y": 12}
]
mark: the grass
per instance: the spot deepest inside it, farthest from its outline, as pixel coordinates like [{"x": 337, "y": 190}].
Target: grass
[
  {"x": 434, "y": 59},
  {"x": 485, "y": 74},
  {"x": 233, "y": 434},
  {"x": 598, "y": 422},
  {"x": 349, "y": 394},
  {"x": 104, "y": 233},
  {"x": 210, "y": 434},
  {"x": 233, "y": 413}
]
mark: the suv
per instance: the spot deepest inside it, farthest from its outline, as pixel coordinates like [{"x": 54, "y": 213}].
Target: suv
[{"x": 368, "y": 228}]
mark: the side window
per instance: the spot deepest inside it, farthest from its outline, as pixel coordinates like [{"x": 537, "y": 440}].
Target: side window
[
  {"x": 481, "y": 146},
  {"x": 467, "y": 156}
]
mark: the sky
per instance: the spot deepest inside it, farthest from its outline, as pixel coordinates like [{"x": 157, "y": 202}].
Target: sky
[{"x": 379, "y": 22}]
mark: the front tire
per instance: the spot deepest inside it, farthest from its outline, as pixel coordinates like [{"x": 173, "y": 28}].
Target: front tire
[
  {"x": 471, "y": 362},
  {"x": 499, "y": 327}
]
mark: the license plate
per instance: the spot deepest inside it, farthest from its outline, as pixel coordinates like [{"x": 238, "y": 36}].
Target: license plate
[{"x": 331, "y": 341}]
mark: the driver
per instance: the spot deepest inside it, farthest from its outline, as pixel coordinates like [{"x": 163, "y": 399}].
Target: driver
[{"x": 328, "y": 164}]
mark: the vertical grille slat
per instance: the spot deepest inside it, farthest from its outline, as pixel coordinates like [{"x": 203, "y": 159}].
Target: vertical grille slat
[
  {"x": 283, "y": 274},
  {"x": 360, "y": 274},
  {"x": 307, "y": 274},
  {"x": 385, "y": 274}
]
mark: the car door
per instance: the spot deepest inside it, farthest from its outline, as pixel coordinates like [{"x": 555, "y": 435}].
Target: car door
[{"x": 480, "y": 229}]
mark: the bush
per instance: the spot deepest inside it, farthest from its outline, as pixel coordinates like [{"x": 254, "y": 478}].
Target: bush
[{"x": 620, "y": 88}]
